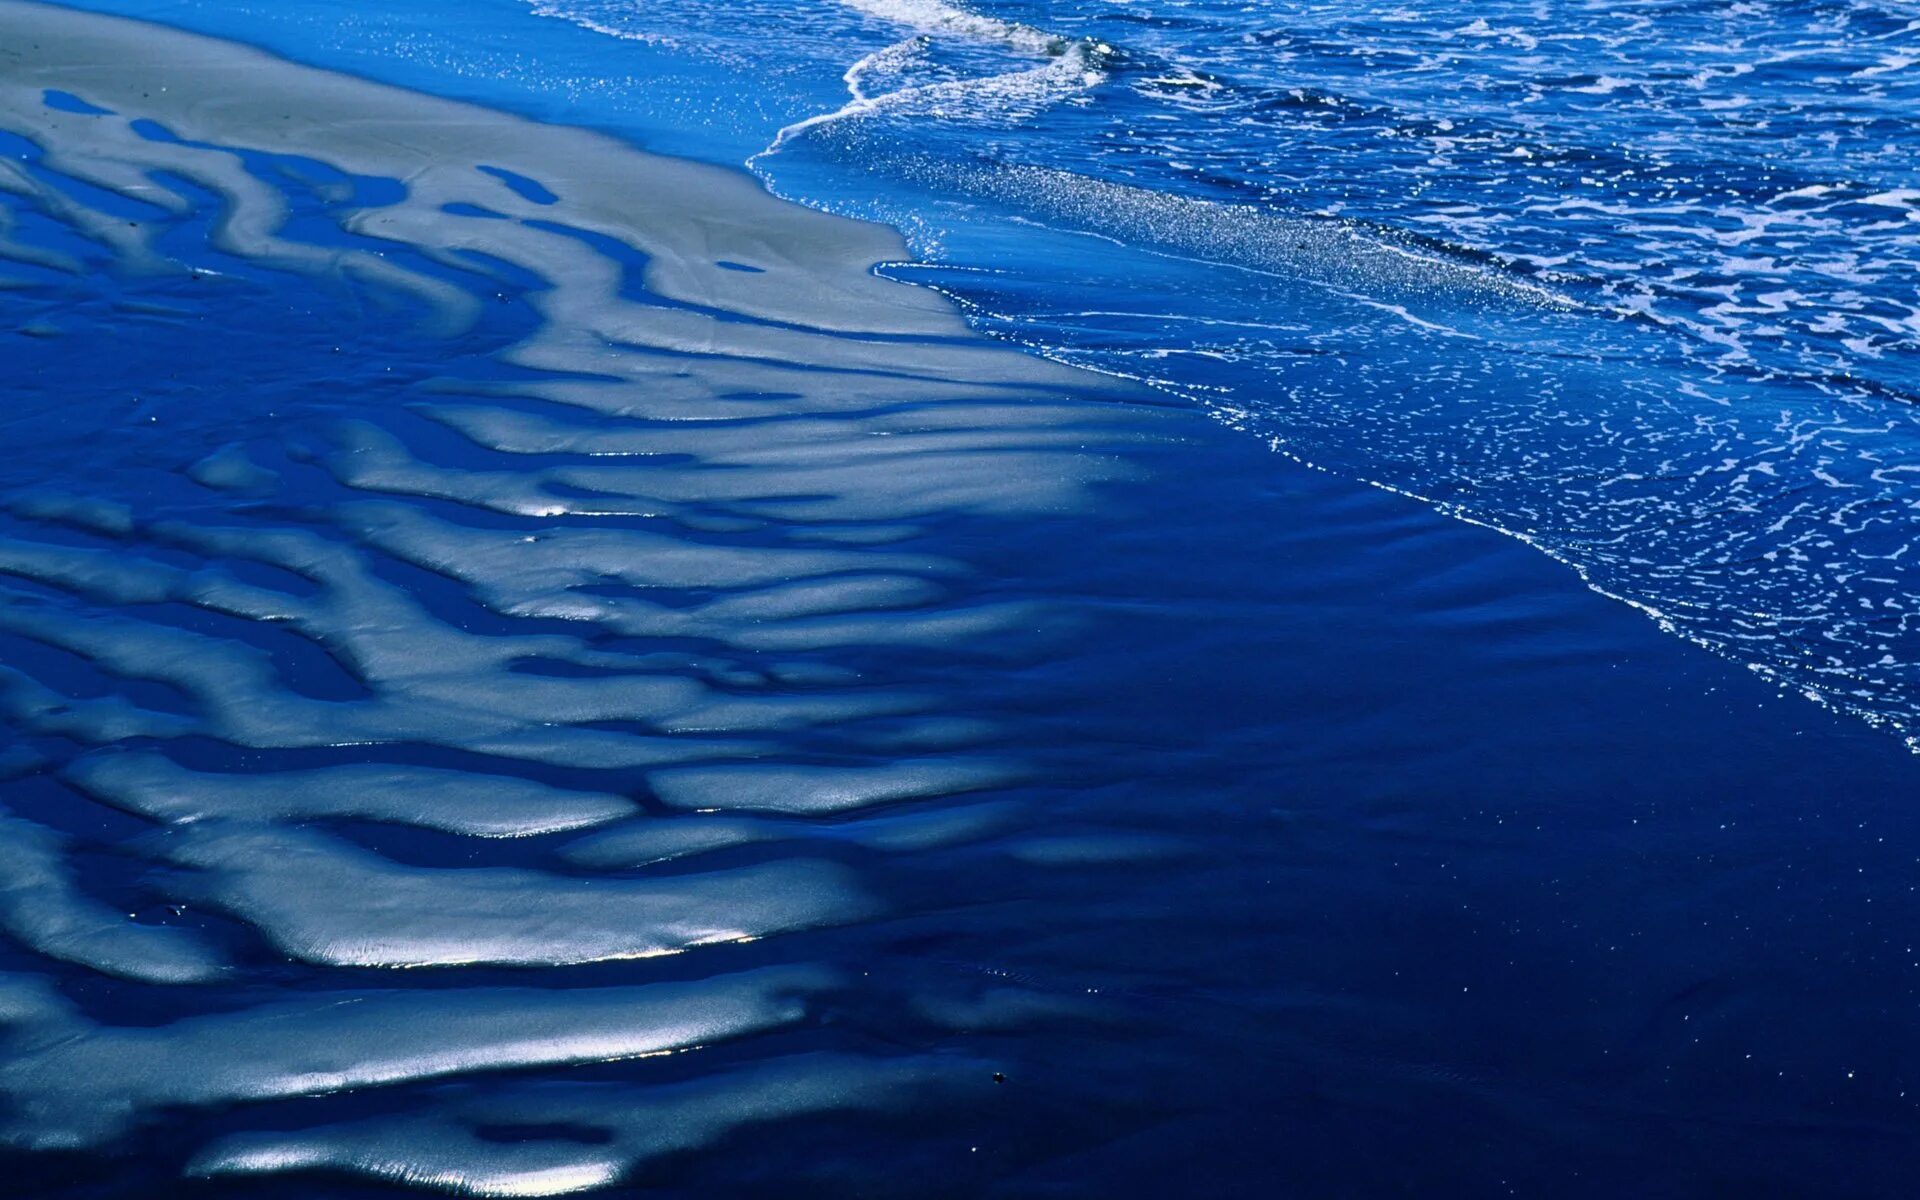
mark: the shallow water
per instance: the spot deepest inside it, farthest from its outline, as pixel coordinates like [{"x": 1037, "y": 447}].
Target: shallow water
[{"x": 529, "y": 666}]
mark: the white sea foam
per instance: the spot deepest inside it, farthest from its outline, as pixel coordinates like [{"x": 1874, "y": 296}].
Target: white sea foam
[
  {"x": 896, "y": 82},
  {"x": 935, "y": 16}
]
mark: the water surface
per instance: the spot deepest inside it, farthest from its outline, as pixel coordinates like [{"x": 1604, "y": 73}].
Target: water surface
[{"x": 531, "y": 665}]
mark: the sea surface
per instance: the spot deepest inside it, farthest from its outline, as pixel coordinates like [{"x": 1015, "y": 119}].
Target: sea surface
[{"x": 874, "y": 597}]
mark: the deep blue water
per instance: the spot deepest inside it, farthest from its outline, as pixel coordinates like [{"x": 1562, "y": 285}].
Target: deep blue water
[{"x": 1310, "y": 837}]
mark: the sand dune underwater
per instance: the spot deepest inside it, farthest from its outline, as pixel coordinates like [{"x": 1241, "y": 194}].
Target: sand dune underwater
[{"x": 534, "y": 665}]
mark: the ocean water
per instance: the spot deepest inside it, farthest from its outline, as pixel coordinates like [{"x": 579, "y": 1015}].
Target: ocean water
[
  {"x": 1679, "y": 237},
  {"x": 873, "y": 597}
]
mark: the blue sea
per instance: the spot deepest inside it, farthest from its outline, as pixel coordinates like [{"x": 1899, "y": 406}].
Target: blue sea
[{"x": 895, "y": 598}]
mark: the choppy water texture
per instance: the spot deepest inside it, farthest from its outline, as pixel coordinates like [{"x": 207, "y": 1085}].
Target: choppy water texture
[
  {"x": 1633, "y": 282},
  {"x": 530, "y": 665}
]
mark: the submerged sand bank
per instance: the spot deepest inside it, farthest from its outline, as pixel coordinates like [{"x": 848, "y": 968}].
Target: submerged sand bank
[
  {"x": 813, "y": 269},
  {"x": 715, "y": 462}
]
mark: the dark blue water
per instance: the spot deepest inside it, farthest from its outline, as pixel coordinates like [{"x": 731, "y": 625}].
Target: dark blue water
[{"x": 1249, "y": 829}]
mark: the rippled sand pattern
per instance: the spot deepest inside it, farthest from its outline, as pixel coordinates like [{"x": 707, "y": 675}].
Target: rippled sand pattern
[{"x": 684, "y": 512}]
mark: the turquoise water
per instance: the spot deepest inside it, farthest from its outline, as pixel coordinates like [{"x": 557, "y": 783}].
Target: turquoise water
[{"x": 530, "y": 668}]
